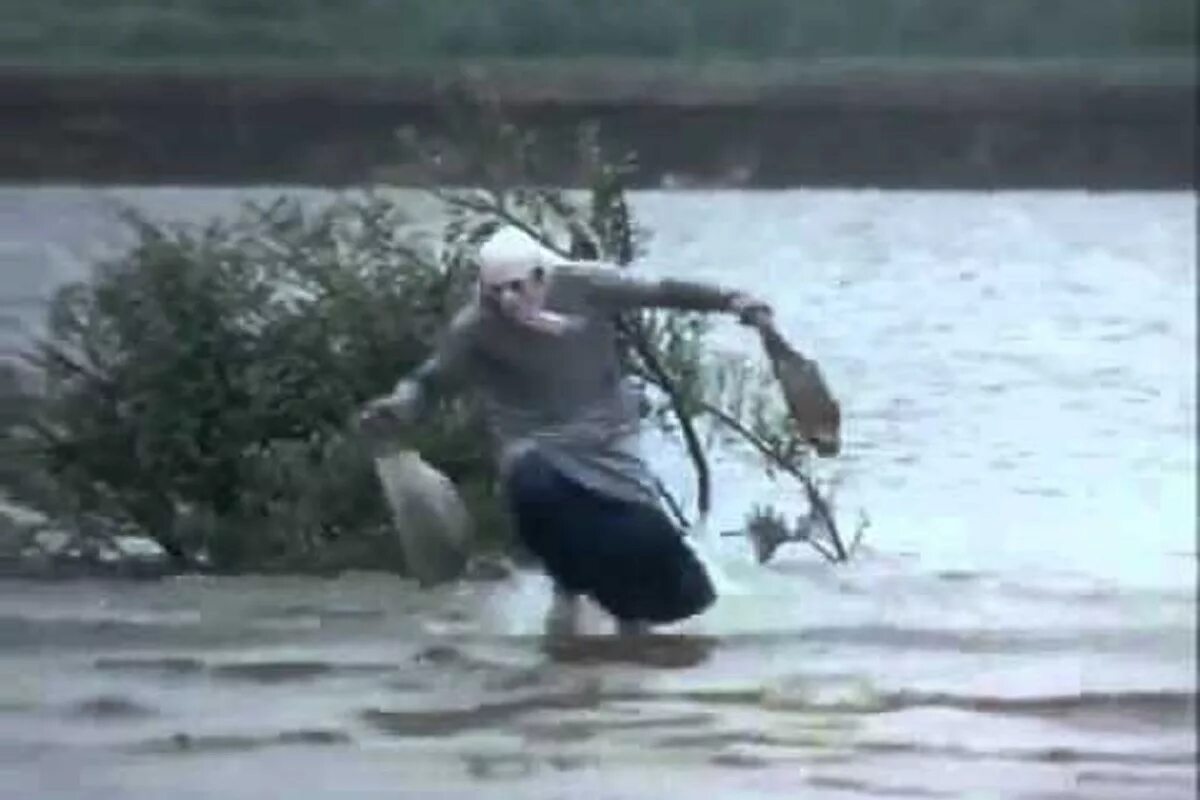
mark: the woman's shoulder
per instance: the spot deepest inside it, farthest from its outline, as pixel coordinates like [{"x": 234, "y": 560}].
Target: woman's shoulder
[{"x": 576, "y": 284}]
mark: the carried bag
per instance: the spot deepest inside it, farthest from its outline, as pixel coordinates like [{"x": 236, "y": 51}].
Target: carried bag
[{"x": 431, "y": 521}]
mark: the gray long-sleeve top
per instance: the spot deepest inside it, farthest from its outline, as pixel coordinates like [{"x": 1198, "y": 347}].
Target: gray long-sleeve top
[{"x": 561, "y": 394}]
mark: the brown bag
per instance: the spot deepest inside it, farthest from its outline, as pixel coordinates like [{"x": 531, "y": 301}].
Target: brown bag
[{"x": 810, "y": 403}]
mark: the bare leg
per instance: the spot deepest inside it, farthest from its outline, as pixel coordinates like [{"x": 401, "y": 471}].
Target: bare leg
[
  {"x": 632, "y": 627},
  {"x": 563, "y": 617}
]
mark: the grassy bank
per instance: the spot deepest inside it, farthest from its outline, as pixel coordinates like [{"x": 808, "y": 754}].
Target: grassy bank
[
  {"x": 582, "y": 82},
  {"x": 707, "y": 92},
  {"x": 926, "y": 123},
  {"x": 583, "y": 75},
  {"x": 368, "y": 35}
]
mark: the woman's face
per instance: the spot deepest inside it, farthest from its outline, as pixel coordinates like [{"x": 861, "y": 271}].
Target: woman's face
[{"x": 520, "y": 298}]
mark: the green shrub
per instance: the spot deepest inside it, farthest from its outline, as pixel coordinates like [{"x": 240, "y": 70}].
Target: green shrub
[{"x": 200, "y": 385}]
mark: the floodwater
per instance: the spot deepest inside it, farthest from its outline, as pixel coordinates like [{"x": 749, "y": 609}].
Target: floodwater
[{"x": 1018, "y": 373}]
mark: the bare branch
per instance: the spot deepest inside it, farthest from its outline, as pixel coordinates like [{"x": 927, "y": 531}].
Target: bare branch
[
  {"x": 687, "y": 429},
  {"x": 818, "y": 503},
  {"x": 672, "y": 504},
  {"x": 864, "y": 522}
]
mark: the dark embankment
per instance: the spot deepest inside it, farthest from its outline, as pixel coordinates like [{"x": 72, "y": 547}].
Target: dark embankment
[{"x": 970, "y": 127}]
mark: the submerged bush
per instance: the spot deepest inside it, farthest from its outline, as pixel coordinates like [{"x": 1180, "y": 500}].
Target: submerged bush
[{"x": 199, "y": 386}]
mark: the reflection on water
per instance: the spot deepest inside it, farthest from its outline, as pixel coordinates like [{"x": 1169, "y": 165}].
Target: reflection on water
[{"x": 1020, "y": 427}]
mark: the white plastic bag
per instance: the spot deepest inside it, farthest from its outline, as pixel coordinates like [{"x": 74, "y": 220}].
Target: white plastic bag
[{"x": 432, "y": 522}]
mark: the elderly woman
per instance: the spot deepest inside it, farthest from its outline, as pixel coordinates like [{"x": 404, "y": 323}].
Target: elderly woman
[{"x": 539, "y": 343}]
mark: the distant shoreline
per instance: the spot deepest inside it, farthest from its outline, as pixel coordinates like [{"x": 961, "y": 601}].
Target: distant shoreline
[{"x": 977, "y": 125}]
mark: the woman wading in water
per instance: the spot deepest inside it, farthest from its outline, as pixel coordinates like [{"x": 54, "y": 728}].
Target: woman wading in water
[{"x": 539, "y": 343}]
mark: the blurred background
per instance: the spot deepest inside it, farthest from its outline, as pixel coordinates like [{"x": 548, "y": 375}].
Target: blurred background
[{"x": 716, "y": 92}]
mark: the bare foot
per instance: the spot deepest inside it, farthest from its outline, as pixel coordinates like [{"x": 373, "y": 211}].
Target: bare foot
[
  {"x": 563, "y": 617},
  {"x": 632, "y": 627}
]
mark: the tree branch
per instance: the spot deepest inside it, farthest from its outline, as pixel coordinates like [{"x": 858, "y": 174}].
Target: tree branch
[
  {"x": 818, "y": 503},
  {"x": 658, "y": 373},
  {"x": 672, "y": 504}
]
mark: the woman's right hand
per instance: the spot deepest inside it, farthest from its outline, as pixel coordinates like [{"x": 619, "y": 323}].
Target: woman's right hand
[
  {"x": 751, "y": 311},
  {"x": 384, "y": 416}
]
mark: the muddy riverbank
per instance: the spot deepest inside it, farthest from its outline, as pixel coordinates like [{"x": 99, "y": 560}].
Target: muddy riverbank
[{"x": 982, "y": 128}]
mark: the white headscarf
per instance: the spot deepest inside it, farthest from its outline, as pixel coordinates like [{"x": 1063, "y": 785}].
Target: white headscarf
[{"x": 509, "y": 255}]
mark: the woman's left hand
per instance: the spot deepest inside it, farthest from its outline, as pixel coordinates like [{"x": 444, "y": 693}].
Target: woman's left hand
[{"x": 750, "y": 310}]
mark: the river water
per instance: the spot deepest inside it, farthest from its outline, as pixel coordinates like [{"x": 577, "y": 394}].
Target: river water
[{"x": 1018, "y": 374}]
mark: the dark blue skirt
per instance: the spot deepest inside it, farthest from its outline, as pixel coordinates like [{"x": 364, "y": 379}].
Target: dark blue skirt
[{"x": 627, "y": 556}]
